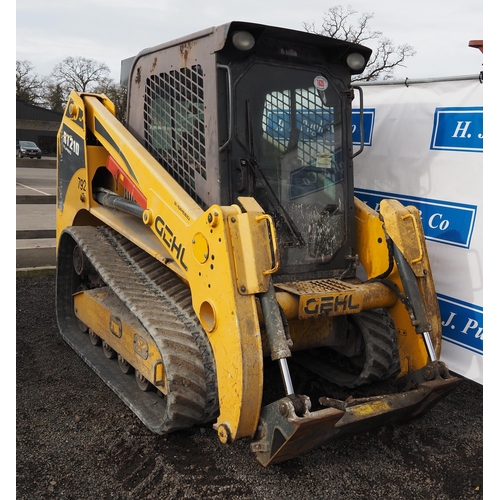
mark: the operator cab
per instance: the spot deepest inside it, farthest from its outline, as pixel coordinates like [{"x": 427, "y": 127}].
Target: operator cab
[{"x": 253, "y": 110}]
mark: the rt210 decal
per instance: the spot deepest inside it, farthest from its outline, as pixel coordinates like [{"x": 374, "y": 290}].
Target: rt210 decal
[{"x": 71, "y": 145}]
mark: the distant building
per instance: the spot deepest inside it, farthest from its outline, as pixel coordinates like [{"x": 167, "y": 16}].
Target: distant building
[{"x": 39, "y": 125}]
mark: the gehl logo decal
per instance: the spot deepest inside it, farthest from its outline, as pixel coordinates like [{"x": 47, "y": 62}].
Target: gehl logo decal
[
  {"x": 329, "y": 305},
  {"x": 170, "y": 240}
]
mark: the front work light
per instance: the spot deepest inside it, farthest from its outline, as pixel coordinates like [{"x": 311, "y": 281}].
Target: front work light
[
  {"x": 355, "y": 61},
  {"x": 243, "y": 40}
]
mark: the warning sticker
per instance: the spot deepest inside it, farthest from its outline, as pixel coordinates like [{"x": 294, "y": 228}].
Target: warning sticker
[{"x": 321, "y": 83}]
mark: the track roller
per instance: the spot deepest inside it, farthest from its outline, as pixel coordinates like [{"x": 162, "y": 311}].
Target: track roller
[
  {"x": 142, "y": 382},
  {"x": 109, "y": 352},
  {"x": 94, "y": 338},
  {"x": 125, "y": 367}
]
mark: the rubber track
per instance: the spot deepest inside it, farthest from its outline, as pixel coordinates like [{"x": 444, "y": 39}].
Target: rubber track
[
  {"x": 381, "y": 353},
  {"x": 162, "y": 303}
]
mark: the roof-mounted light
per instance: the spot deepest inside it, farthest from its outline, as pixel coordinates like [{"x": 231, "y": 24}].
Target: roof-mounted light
[
  {"x": 243, "y": 40},
  {"x": 355, "y": 61}
]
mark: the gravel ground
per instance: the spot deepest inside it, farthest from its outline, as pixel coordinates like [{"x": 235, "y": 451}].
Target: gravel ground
[{"x": 77, "y": 440}]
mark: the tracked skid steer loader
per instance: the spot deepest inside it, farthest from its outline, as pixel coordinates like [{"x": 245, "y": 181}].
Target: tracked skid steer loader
[{"x": 216, "y": 232}]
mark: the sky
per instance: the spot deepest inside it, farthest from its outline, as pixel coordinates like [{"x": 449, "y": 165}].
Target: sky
[{"x": 48, "y": 31}]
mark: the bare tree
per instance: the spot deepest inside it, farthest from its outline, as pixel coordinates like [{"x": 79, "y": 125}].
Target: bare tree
[
  {"x": 386, "y": 55},
  {"x": 117, "y": 94},
  {"x": 80, "y": 74},
  {"x": 29, "y": 86},
  {"x": 54, "y": 96}
]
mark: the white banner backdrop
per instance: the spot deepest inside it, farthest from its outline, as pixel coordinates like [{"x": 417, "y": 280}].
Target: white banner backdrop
[{"x": 423, "y": 147}]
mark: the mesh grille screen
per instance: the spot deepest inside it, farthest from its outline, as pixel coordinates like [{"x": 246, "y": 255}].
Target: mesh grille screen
[
  {"x": 174, "y": 125},
  {"x": 313, "y": 121}
]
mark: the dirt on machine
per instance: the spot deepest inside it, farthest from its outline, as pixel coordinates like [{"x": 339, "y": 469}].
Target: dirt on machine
[{"x": 216, "y": 233}]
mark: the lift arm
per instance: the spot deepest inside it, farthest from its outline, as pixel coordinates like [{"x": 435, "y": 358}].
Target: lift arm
[{"x": 223, "y": 253}]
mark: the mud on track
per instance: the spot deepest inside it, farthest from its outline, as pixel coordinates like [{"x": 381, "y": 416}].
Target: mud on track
[{"x": 77, "y": 440}]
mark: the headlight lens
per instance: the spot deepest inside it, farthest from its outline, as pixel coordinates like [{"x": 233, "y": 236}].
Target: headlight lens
[
  {"x": 355, "y": 61},
  {"x": 243, "y": 40}
]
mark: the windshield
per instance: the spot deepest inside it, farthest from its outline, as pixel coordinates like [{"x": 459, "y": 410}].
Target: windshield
[
  {"x": 27, "y": 144},
  {"x": 290, "y": 125}
]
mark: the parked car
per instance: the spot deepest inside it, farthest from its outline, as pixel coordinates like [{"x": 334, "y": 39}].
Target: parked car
[{"x": 28, "y": 149}]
